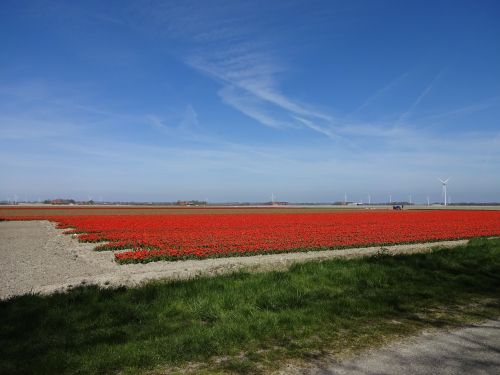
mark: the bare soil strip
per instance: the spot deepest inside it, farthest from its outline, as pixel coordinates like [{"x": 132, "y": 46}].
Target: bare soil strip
[
  {"x": 35, "y": 257},
  {"x": 43, "y": 210}
]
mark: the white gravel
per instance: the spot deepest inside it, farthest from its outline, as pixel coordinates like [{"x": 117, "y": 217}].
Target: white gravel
[{"x": 35, "y": 257}]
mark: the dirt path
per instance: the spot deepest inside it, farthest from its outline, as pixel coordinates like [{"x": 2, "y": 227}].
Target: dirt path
[
  {"x": 35, "y": 257},
  {"x": 471, "y": 350}
]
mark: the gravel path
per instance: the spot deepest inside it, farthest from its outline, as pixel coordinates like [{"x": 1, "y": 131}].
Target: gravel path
[
  {"x": 473, "y": 350},
  {"x": 35, "y": 257}
]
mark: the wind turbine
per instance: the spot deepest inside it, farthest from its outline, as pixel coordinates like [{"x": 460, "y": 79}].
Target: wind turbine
[
  {"x": 445, "y": 182},
  {"x": 369, "y": 199}
]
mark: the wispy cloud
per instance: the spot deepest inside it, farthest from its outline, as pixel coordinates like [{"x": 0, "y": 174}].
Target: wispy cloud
[
  {"x": 313, "y": 126},
  {"x": 225, "y": 42},
  {"x": 183, "y": 124},
  {"x": 32, "y": 128},
  {"x": 222, "y": 46},
  {"x": 466, "y": 110},
  {"x": 404, "y": 116},
  {"x": 250, "y": 106},
  {"x": 157, "y": 122},
  {"x": 379, "y": 93},
  {"x": 189, "y": 119},
  {"x": 250, "y": 85}
]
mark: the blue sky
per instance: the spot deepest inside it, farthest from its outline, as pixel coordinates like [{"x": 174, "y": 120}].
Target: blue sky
[{"x": 233, "y": 101}]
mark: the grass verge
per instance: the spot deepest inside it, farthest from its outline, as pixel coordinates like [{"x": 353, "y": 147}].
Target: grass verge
[{"x": 246, "y": 323}]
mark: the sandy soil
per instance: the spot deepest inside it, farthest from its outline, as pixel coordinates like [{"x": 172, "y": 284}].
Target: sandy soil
[{"x": 35, "y": 257}]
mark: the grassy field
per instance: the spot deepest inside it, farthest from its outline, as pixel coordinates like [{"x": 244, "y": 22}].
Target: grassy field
[{"x": 249, "y": 323}]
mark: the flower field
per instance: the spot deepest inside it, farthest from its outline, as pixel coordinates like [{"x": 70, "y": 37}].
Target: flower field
[{"x": 201, "y": 235}]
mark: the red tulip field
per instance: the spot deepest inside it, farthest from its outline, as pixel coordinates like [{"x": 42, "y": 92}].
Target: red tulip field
[{"x": 144, "y": 238}]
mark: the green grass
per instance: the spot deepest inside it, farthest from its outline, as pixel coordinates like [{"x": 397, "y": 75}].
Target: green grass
[{"x": 243, "y": 323}]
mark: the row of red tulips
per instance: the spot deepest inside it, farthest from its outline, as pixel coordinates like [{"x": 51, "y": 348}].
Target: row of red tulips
[{"x": 154, "y": 237}]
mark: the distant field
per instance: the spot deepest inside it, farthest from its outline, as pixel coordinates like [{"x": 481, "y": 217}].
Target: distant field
[
  {"x": 156, "y": 210},
  {"x": 39, "y": 210}
]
